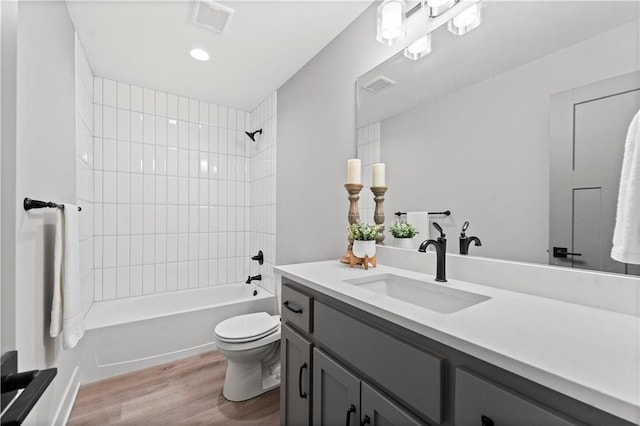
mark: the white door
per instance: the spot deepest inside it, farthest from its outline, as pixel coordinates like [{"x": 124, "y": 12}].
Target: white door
[{"x": 588, "y": 130}]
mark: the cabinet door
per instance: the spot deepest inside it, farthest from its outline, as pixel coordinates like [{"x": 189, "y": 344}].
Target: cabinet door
[
  {"x": 336, "y": 393},
  {"x": 377, "y": 410},
  {"x": 482, "y": 403},
  {"x": 295, "y": 389}
]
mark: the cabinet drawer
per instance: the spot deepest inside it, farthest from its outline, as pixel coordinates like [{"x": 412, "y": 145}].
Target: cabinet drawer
[
  {"x": 480, "y": 402},
  {"x": 297, "y": 308},
  {"x": 412, "y": 375}
]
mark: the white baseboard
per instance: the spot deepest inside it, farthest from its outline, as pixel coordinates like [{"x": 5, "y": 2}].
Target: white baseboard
[{"x": 64, "y": 410}]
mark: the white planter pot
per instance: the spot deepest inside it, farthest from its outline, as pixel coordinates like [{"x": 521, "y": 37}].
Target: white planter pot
[
  {"x": 405, "y": 243},
  {"x": 364, "y": 249}
]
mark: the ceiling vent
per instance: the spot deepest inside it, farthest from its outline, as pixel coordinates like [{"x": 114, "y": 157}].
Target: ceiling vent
[
  {"x": 379, "y": 83},
  {"x": 212, "y": 15}
]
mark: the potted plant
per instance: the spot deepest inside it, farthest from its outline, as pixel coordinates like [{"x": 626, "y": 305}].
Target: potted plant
[
  {"x": 403, "y": 234},
  {"x": 364, "y": 239}
]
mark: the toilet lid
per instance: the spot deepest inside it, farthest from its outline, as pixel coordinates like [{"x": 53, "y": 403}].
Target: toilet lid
[{"x": 244, "y": 327}]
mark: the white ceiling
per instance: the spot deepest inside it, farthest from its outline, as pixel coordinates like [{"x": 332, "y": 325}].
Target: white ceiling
[{"x": 147, "y": 43}]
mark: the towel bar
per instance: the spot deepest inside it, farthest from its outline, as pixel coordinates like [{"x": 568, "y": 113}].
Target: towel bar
[{"x": 29, "y": 204}]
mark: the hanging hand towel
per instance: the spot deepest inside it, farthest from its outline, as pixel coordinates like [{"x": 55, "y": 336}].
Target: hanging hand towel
[
  {"x": 626, "y": 235},
  {"x": 66, "y": 309}
]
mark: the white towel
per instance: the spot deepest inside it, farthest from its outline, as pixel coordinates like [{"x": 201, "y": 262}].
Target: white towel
[
  {"x": 626, "y": 235},
  {"x": 66, "y": 309}
]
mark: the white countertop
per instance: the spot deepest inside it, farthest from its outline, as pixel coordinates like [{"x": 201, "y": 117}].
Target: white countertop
[{"x": 589, "y": 354}]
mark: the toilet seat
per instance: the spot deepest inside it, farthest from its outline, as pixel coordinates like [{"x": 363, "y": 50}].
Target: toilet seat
[{"x": 247, "y": 328}]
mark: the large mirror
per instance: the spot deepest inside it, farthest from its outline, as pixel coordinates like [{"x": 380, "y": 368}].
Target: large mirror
[{"x": 517, "y": 127}]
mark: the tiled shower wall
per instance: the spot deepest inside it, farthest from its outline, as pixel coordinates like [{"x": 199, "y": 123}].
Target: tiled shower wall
[
  {"x": 84, "y": 169},
  {"x": 368, "y": 151},
  {"x": 172, "y": 190},
  {"x": 263, "y": 190}
]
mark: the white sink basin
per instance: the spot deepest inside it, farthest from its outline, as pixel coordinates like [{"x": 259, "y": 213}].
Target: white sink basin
[{"x": 434, "y": 297}]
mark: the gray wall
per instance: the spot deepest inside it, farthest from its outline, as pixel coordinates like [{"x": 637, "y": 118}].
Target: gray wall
[
  {"x": 44, "y": 169},
  {"x": 316, "y": 137},
  {"x": 483, "y": 151}
]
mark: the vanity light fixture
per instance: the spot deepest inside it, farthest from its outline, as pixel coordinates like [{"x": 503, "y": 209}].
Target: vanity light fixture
[
  {"x": 436, "y": 7},
  {"x": 391, "y": 22},
  {"x": 199, "y": 55},
  {"x": 466, "y": 21},
  {"x": 419, "y": 48}
]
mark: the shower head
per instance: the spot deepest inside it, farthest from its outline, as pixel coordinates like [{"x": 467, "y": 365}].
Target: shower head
[{"x": 252, "y": 135}]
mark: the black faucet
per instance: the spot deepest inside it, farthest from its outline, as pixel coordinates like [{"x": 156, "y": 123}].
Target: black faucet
[
  {"x": 466, "y": 241},
  {"x": 254, "y": 278},
  {"x": 441, "y": 253}
]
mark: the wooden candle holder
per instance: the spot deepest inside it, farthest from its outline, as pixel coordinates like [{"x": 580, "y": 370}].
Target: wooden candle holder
[
  {"x": 354, "y": 214},
  {"x": 378, "y": 215}
]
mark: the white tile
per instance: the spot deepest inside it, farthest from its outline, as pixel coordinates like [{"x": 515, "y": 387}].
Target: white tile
[
  {"x": 183, "y": 108},
  {"x": 149, "y": 159},
  {"x": 172, "y": 132},
  {"x": 97, "y": 220},
  {"x": 161, "y": 278},
  {"x": 109, "y": 187},
  {"x": 149, "y": 101},
  {"x": 148, "y": 249},
  {"x": 172, "y": 106},
  {"x": 203, "y": 273},
  {"x": 194, "y": 164},
  {"x": 172, "y": 219},
  {"x": 136, "y": 189},
  {"x": 136, "y": 99},
  {"x": 223, "y": 167},
  {"x": 183, "y": 134},
  {"x": 161, "y": 219},
  {"x": 161, "y": 249},
  {"x": 222, "y": 117},
  {"x": 123, "y": 187},
  {"x": 222, "y": 193},
  {"x": 183, "y": 190},
  {"x": 183, "y": 247},
  {"x": 222, "y": 245},
  {"x": 136, "y": 250},
  {"x": 123, "y": 247},
  {"x": 161, "y": 104},
  {"x": 109, "y": 251},
  {"x": 109, "y": 92},
  {"x": 148, "y": 219},
  {"x": 213, "y": 245},
  {"x": 223, "y": 140},
  {"x": 193, "y": 191},
  {"x": 183, "y": 275},
  {"x": 203, "y": 192},
  {"x": 222, "y": 271},
  {"x": 231, "y": 119},
  {"x": 213, "y": 219},
  {"x": 124, "y": 219},
  {"x": 172, "y": 190},
  {"x": 109, "y": 152},
  {"x": 97, "y": 252},
  {"x": 148, "y": 279},
  {"x": 213, "y": 166},
  {"x": 109, "y": 284},
  {"x": 161, "y": 131},
  {"x": 172, "y": 161},
  {"x": 161, "y": 189},
  {"x": 149, "y": 129},
  {"x": 97, "y": 285},
  {"x": 97, "y": 90},
  {"x": 213, "y": 272},
  {"x": 231, "y": 270},
  {"x": 172, "y": 276},
  {"x": 213, "y": 115},
  {"x": 161, "y": 160},
  {"x": 213, "y": 139},
  {"x": 204, "y": 113},
  {"x": 109, "y": 122},
  {"x": 123, "y": 96},
  {"x": 136, "y": 161},
  {"x": 193, "y": 274},
  {"x": 123, "y": 156},
  {"x": 232, "y": 168},
  {"x": 183, "y": 162},
  {"x": 136, "y": 122},
  {"x": 135, "y": 281},
  {"x": 194, "y": 134},
  {"x": 203, "y": 137},
  {"x": 203, "y": 246},
  {"x": 97, "y": 120},
  {"x": 194, "y": 115},
  {"x": 193, "y": 246},
  {"x": 172, "y": 248},
  {"x": 183, "y": 219},
  {"x": 193, "y": 219},
  {"x": 240, "y": 121},
  {"x": 203, "y": 219}
]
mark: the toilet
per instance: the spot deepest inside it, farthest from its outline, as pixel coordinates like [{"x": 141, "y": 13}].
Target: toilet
[{"x": 251, "y": 344}]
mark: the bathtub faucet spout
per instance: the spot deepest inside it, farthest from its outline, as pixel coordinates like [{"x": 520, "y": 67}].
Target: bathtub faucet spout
[{"x": 254, "y": 278}]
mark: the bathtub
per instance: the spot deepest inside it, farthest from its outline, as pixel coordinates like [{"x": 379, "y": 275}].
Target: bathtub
[{"x": 125, "y": 335}]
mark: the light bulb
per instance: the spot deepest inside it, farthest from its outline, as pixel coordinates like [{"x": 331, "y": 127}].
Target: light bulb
[
  {"x": 390, "y": 22},
  {"x": 466, "y": 21},
  {"x": 419, "y": 48}
]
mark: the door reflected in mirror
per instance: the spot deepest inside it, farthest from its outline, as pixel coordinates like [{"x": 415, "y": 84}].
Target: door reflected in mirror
[{"x": 517, "y": 127}]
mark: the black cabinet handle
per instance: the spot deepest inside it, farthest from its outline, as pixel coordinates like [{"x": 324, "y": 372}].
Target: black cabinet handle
[
  {"x": 365, "y": 421},
  {"x": 292, "y": 308},
  {"x": 351, "y": 409},
  {"x": 34, "y": 384},
  {"x": 303, "y": 395},
  {"x": 486, "y": 421},
  {"x": 563, "y": 252}
]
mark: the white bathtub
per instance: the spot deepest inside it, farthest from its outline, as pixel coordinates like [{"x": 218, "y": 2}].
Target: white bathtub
[{"x": 130, "y": 334}]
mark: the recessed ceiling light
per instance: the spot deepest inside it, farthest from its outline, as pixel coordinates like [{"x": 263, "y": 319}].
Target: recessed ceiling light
[{"x": 199, "y": 55}]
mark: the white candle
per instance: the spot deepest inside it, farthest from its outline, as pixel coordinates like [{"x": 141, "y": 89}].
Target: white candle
[
  {"x": 378, "y": 175},
  {"x": 353, "y": 171}
]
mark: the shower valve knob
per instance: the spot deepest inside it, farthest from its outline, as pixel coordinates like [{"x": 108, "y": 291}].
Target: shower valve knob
[{"x": 259, "y": 257}]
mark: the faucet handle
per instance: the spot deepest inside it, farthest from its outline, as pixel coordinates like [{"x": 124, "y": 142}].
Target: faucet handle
[
  {"x": 439, "y": 229},
  {"x": 465, "y": 226}
]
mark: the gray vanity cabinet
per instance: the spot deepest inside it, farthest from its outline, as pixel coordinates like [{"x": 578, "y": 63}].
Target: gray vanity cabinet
[
  {"x": 378, "y": 410},
  {"x": 336, "y": 393},
  {"x": 295, "y": 398}
]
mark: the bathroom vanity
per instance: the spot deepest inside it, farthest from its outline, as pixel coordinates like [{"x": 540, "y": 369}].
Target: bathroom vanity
[{"x": 391, "y": 346}]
